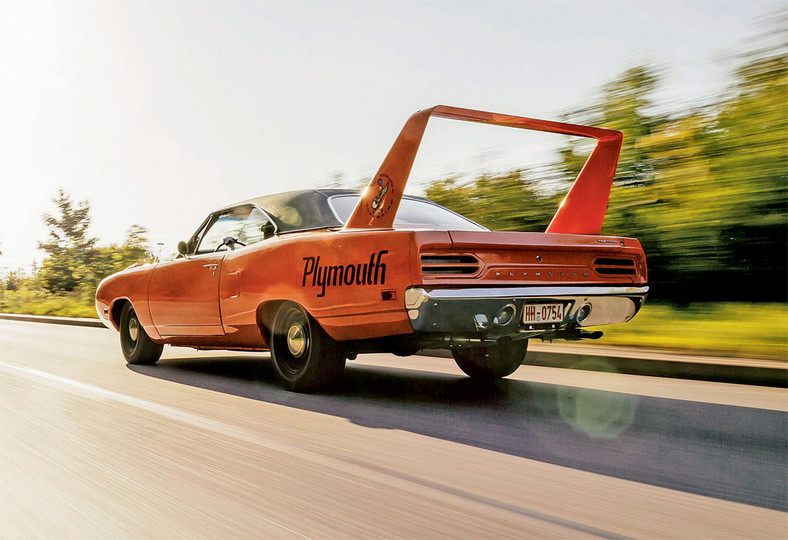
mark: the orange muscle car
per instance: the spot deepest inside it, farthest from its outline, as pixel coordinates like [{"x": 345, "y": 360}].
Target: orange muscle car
[{"x": 319, "y": 276}]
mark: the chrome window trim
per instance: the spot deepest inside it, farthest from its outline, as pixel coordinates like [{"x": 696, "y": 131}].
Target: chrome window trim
[
  {"x": 197, "y": 233},
  {"x": 410, "y": 198},
  {"x": 208, "y": 219},
  {"x": 324, "y": 227}
]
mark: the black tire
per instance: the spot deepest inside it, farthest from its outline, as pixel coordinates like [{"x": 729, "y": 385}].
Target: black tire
[
  {"x": 136, "y": 345},
  {"x": 305, "y": 357},
  {"x": 492, "y": 362}
]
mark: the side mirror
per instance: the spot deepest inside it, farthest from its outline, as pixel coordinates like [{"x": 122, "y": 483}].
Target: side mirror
[
  {"x": 268, "y": 229},
  {"x": 182, "y": 248}
]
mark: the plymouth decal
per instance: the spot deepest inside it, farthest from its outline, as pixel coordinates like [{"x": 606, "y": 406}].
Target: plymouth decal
[{"x": 338, "y": 275}]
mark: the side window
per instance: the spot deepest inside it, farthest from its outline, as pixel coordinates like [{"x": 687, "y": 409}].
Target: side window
[
  {"x": 194, "y": 241},
  {"x": 228, "y": 223},
  {"x": 252, "y": 230}
]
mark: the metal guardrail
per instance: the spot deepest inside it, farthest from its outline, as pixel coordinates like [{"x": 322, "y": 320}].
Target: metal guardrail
[{"x": 71, "y": 321}]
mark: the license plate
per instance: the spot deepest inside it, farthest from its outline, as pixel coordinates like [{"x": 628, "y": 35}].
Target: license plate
[{"x": 543, "y": 313}]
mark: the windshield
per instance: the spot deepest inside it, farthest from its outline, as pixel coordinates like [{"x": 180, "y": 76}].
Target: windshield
[{"x": 411, "y": 213}]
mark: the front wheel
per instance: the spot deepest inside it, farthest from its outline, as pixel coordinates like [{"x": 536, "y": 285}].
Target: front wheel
[
  {"x": 137, "y": 347},
  {"x": 492, "y": 362},
  {"x": 305, "y": 357}
]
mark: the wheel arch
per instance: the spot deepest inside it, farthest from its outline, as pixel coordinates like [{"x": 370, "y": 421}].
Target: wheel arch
[
  {"x": 116, "y": 309},
  {"x": 265, "y": 317},
  {"x": 267, "y": 311}
]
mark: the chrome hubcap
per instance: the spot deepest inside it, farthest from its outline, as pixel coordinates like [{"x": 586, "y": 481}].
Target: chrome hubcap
[
  {"x": 296, "y": 340},
  {"x": 134, "y": 329}
]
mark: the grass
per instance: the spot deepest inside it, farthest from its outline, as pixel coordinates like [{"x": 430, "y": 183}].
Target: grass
[
  {"x": 729, "y": 329},
  {"x": 59, "y": 307},
  {"x": 33, "y": 301}
]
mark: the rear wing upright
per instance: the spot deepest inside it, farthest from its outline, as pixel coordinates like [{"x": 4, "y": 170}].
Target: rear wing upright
[{"x": 581, "y": 212}]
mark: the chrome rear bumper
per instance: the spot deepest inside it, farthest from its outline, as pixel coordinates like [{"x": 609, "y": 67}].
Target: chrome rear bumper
[{"x": 475, "y": 311}]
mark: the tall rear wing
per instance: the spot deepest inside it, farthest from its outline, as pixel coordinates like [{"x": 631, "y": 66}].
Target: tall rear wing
[{"x": 581, "y": 212}]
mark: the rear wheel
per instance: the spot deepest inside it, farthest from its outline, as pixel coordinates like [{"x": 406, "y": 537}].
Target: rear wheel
[
  {"x": 492, "y": 362},
  {"x": 137, "y": 347},
  {"x": 305, "y": 357}
]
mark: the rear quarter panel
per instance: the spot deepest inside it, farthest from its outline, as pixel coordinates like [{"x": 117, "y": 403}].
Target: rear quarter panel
[{"x": 351, "y": 281}]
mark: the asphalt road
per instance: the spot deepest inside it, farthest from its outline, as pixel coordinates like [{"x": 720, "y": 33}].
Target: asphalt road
[{"x": 206, "y": 444}]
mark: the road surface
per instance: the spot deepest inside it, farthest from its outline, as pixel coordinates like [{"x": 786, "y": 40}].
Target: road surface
[{"x": 206, "y": 444}]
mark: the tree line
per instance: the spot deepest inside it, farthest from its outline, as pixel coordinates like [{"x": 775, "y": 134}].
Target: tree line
[
  {"x": 74, "y": 263},
  {"x": 705, "y": 190}
]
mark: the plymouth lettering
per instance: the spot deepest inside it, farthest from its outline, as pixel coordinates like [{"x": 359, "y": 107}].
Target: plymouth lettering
[{"x": 372, "y": 272}]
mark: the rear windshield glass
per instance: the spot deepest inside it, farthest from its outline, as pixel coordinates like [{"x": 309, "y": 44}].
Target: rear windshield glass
[{"x": 412, "y": 213}]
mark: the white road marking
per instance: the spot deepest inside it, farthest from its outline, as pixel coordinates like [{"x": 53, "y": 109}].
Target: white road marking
[{"x": 168, "y": 412}]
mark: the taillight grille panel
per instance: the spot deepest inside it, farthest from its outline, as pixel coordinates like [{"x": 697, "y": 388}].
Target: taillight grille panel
[
  {"x": 449, "y": 264},
  {"x": 615, "y": 267}
]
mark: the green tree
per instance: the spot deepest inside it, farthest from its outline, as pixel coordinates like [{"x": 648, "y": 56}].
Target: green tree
[
  {"x": 705, "y": 190},
  {"x": 624, "y": 104},
  {"x": 750, "y": 158},
  {"x": 73, "y": 260},
  {"x": 504, "y": 202},
  {"x": 114, "y": 258},
  {"x": 69, "y": 249},
  {"x": 14, "y": 279},
  {"x": 674, "y": 215}
]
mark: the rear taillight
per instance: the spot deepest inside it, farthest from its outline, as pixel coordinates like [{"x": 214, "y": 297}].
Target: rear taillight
[
  {"x": 615, "y": 267},
  {"x": 449, "y": 264}
]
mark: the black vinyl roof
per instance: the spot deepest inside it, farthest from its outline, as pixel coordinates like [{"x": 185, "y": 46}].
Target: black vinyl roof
[{"x": 303, "y": 209}]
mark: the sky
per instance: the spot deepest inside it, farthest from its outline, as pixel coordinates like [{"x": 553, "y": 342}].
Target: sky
[{"x": 159, "y": 112}]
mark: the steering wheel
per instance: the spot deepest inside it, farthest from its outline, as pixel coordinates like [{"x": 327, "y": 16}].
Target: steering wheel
[{"x": 229, "y": 241}]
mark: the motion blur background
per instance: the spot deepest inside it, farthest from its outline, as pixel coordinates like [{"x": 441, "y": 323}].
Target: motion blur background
[{"x": 154, "y": 114}]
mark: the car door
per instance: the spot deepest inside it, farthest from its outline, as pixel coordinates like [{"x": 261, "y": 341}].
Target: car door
[{"x": 184, "y": 293}]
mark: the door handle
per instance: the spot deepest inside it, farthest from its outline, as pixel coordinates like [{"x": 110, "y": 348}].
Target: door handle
[{"x": 212, "y": 267}]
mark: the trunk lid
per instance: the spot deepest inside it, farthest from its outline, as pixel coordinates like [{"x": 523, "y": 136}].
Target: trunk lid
[{"x": 522, "y": 258}]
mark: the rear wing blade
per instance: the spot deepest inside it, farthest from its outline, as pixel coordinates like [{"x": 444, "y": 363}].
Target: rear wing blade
[{"x": 581, "y": 212}]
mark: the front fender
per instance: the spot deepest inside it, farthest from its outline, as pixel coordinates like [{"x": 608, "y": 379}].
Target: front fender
[{"x": 129, "y": 285}]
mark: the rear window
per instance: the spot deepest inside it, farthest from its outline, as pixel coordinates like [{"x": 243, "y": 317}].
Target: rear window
[{"x": 412, "y": 213}]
